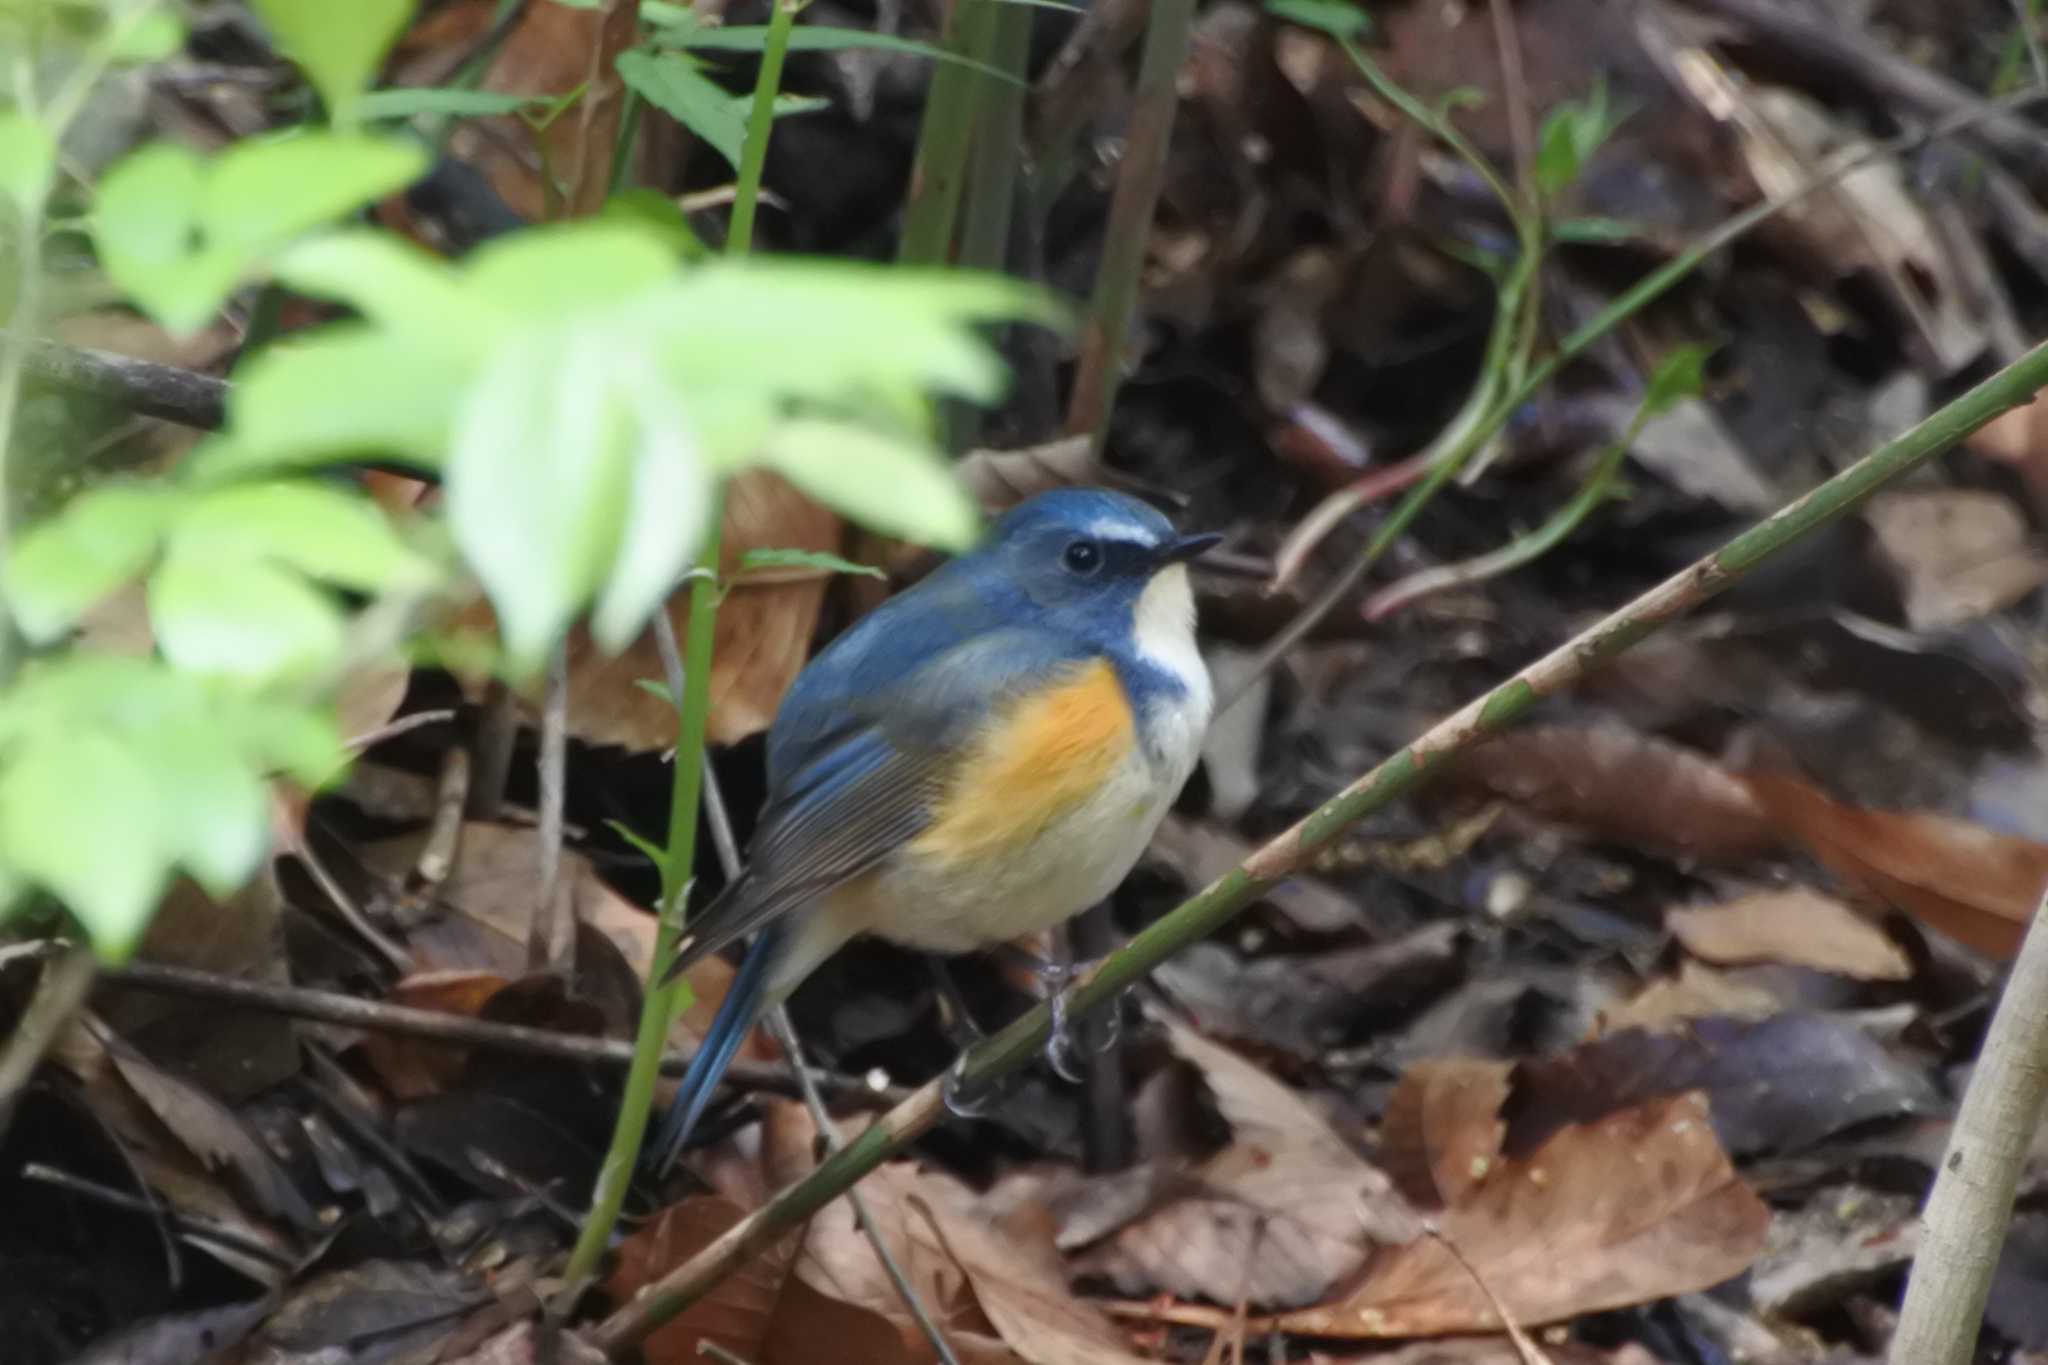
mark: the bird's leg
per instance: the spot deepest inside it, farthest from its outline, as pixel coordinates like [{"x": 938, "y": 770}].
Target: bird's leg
[
  {"x": 965, "y": 1099},
  {"x": 1069, "y": 1044}
]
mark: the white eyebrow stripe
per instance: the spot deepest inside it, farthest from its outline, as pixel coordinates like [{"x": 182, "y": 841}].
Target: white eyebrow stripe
[{"x": 1120, "y": 531}]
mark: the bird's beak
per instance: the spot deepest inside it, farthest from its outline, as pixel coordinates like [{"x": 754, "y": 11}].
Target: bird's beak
[{"x": 1181, "y": 549}]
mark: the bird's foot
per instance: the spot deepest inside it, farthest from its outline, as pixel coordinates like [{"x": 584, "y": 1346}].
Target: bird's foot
[
  {"x": 1072, "y": 1041},
  {"x": 974, "y": 1099}
]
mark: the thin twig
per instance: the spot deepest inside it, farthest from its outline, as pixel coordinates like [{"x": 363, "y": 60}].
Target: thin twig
[
  {"x": 63, "y": 984},
  {"x": 497, "y": 731},
  {"x": 2023, "y": 11},
  {"x": 1529, "y": 1351},
  {"x": 785, "y": 1034},
  {"x": 1128, "y": 234},
  {"x": 380, "y": 1016},
  {"x": 1203, "y": 914},
  {"x": 168, "y": 393},
  {"x": 1507, "y": 42},
  {"x": 552, "y": 913},
  {"x": 1631, "y": 301},
  {"x": 1963, "y": 1226}
]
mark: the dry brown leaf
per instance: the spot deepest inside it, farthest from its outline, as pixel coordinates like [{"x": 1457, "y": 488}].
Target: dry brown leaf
[
  {"x": 762, "y": 640},
  {"x": 233, "y": 1053},
  {"x": 552, "y": 50},
  {"x": 1281, "y": 1214},
  {"x": 1956, "y": 553},
  {"x": 1971, "y": 883},
  {"x": 1798, "y": 927},
  {"x": 838, "y": 1262},
  {"x": 413, "y": 1068},
  {"x": 1017, "y": 1278},
  {"x": 1635, "y": 1206},
  {"x": 737, "y": 1314},
  {"x": 1620, "y": 785},
  {"x": 1697, "y": 992}
]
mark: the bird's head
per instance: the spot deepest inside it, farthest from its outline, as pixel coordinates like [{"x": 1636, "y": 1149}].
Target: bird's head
[{"x": 1098, "y": 564}]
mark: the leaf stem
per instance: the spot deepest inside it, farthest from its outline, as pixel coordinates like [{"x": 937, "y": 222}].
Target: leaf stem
[
  {"x": 760, "y": 127},
  {"x": 1208, "y": 910}
]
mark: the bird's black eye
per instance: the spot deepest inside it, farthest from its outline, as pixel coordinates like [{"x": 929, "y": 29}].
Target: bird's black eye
[{"x": 1082, "y": 557}]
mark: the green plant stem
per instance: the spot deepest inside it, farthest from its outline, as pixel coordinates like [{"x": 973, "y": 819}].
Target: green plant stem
[
  {"x": 1205, "y": 912},
  {"x": 997, "y": 159},
  {"x": 739, "y": 238},
  {"x": 679, "y": 850},
  {"x": 1129, "y": 232},
  {"x": 1638, "y": 296},
  {"x": 663, "y": 1002},
  {"x": 936, "y": 172}
]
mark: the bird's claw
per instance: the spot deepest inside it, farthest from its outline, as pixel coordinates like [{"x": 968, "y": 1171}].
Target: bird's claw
[{"x": 1068, "y": 1046}]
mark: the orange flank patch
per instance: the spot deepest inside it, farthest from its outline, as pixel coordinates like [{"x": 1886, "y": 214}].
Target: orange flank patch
[{"x": 1039, "y": 760}]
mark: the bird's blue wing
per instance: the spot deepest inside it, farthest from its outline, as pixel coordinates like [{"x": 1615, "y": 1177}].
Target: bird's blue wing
[{"x": 865, "y": 778}]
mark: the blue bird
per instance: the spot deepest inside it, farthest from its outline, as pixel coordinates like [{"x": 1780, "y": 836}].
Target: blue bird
[{"x": 979, "y": 759}]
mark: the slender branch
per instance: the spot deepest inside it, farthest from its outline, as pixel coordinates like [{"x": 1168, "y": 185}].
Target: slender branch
[
  {"x": 1205, "y": 912},
  {"x": 166, "y": 392},
  {"x": 1963, "y": 1226},
  {"x": 379, "y": 1016},
  {"x": 62, "y": 986},
  {"x": 1128, "y": 234}
]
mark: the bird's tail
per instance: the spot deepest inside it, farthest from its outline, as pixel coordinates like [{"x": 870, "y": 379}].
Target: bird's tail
[{"x": 729, "y": 1028}]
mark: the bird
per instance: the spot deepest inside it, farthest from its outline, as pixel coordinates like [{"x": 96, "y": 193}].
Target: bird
[{"x": 980, "y": 758}]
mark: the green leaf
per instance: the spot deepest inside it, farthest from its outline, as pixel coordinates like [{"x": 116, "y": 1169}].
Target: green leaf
[
  {"x": 571, "y": 467},
  {"x": 389, "y": 280},
  {"x": 1680, "y": 375},
  {"x": 299, "y": 403},
  {"x": 889, "y": 485},
  {"x": 79, "y": 817},
  {"x": 177, "y": 234},
  {"x": 672, "y": 83},
  {"x": 264, "y": 192},
  {"x": 1334, "y": 17},
  {"x": 407, "y": 101},
  {"x": 241, "y": 617},
  {"x": 1597, "y": 231},
  {"x": 28, "y": 162},
  {"x": 320, "y": 530},
  {"x": 1570, "y": 136},
  {"x": 63, "y": 566},
  {"x": 214, "y": 809},
  {"x": 338, "y": 46},
  {"x": 152, "y": 37},
  {"x": 805, "y": 559},
  {"x": 567, "y": 269},
  {"x": 652, "y": 211}
]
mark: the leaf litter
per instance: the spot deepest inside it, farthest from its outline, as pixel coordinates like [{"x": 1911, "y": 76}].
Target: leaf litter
[{"x": 1645, "y": 1028}]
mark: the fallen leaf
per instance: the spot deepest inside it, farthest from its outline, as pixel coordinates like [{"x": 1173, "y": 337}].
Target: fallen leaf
[
  {"x": 233, "y": 1053},
  {"x": 762, "y": 637},
  {"x": 1696, "y": 992},
  {"x": 1777, "y": 1084},
  {"x": 1623, "y": 786},
  {"x": 1974, "y": 884},
  {"x": 736, "y": 1315},
  {"x": 1282, "y": 1213},
  {"x": 1957, "y": 554},
  {"x": 1635, "y": 1206},
  {"x": 1799, "y": 927},
  {"x": 209, "y": 1130},
  {"x": 413, "y": 1067},
  {"x": 1017, "y": 1278}
]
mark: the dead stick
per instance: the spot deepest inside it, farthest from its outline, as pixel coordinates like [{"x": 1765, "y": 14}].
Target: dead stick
[{"x": 380, "y": 1016}]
